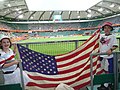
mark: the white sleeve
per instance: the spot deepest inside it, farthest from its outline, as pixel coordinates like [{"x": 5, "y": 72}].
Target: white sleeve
[
  {"x": 114, "y": 41},
  {"x": 2, "y": 60}
]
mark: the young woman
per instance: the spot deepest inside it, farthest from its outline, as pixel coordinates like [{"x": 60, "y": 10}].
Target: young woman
[{"x": 8, "y": 63}]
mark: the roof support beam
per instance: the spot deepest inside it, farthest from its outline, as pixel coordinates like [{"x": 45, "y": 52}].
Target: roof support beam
[
  {"x": 31, "y": 15},
  {"x": 14, "y": 12},
  {"x": 41, "y": 15}
]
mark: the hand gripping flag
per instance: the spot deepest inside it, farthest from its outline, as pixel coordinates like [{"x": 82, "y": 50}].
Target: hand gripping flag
[{"x": 73, "y": 68}]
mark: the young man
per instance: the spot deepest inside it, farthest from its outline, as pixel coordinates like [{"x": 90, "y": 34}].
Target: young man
[{"x": 108, "y": 43}]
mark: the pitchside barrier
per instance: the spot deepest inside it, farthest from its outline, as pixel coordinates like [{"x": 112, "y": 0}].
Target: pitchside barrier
[
  {"x": 114, "y": 78},
  {"x": 56, "y": 47}
]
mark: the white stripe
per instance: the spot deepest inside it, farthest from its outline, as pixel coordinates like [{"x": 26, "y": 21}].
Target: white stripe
[
  {"x": 79, "y": 55},
  {"x": 58, "y": 76},
  {"x": 66, "y": 68},
  {"x": 57, "y": 82},
  {"x": 38, "y": 88},
  {"x": 81, "y": 47},
  {"x": 80, "y": 82},
  {"x": 65, "y": 81},
  {"x": 73, "y": 65},
  {"x": 73, "y": 85}
]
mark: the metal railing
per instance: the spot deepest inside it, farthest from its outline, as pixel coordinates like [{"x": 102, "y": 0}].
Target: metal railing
[
  {"x": 115, "y": 61},
  {"x": 54, "y": 47},
  {"x": 67, "y": 46}
]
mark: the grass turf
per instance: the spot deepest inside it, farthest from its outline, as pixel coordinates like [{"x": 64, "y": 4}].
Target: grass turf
[{"x": 54, "y": 48}]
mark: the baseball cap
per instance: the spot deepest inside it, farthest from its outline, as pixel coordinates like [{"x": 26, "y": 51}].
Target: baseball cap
[
  {"x": 107, "y": 24},
  {"x": 3, "y": 37}
]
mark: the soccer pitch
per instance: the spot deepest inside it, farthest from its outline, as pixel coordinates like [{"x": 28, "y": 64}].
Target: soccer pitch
[
  {"x": 36, "y": 39},
  {"x": 56, "y": 48}
]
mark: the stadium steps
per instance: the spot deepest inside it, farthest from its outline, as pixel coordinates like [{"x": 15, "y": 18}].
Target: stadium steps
[
  {"x": 101, "y": 79},
  {"x": 11, "y": 87}
]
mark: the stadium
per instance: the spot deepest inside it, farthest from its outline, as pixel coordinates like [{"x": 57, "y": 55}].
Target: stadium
[{"x": 60, "y": 30}]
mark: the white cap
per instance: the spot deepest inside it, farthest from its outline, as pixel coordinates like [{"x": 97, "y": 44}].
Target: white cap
[
  {"x": 3, "y": 36},
  {"x": 63, "y": 86}
]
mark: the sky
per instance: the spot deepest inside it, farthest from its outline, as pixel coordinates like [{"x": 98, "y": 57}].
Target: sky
[{"x": 60, "y": 5}]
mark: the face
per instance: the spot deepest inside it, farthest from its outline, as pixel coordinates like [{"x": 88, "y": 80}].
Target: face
[
  {"x": 5, "y": 43},
  {"x": 107, "y": 29}
]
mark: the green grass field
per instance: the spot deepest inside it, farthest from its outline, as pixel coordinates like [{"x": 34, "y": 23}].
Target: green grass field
[
  {"x": 55, "y": 39},
  {"x": 54, "y": 48}
]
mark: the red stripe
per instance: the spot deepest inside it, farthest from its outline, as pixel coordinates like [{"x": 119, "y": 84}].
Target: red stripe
[
  {"x": 10, "y": 58},
  {"x": 76, "y": 53},
  {"x": 78, "y": 59},
  {"x": 73, "y": 69},
  {"x": 85, "y": 83},
  {"x": 76, "y": 87},
  {"x": 84, "y": 76},
  {"x": 81, "y": 85},
  {"x": 60, "y": 79},
  {"x": 55, "y": 85},
  {"x": 98, "y": 31},
  {"x": 42, "y": 85},
  {"x": 81, "y": 77},
  {"x": 3, "y": 61},
  {"x": 75, "y": 61}
]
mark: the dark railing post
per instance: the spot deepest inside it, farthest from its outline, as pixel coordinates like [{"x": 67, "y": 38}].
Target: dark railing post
[
  {"x": 115, "y": 62},
  {"x": 91, "y": 71},
  {"x": 119, "y": 43},
  {"x": 27, "y": 45},
  {"x": 1, "y": 76},
  {"x": 76, "y": 44}
]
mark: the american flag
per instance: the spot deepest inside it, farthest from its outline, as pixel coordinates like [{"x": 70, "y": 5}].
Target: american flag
[{"x": 73, "y": 68}]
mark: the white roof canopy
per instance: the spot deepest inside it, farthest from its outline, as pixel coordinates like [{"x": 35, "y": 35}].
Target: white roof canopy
[{"x": 60, "y": 5}]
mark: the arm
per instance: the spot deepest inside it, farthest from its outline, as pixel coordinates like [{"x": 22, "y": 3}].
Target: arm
[
  {"x": 10, "y": 64},
  {"x": 15, "y": 48},
  {"x": 111, "y": 49}
]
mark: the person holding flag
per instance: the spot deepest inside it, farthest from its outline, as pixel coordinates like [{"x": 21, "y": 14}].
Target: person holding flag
[
  {"x": 8, "y": 64},
  {"x": 108, "y": 43}
]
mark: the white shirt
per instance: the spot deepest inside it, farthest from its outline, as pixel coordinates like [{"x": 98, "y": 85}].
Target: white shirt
[
  {"x": 3, "y": 59},
  {"x": 14, "y": 77},
  {"x": 107, "y": 42}
]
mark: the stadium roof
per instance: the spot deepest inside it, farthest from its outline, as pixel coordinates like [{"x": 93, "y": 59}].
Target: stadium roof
[{"x": 20, "y": 10}]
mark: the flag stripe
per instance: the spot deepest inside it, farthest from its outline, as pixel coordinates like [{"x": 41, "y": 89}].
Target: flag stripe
[
  {"x": 63, "y": 78},
  {"x": 79, "y": 86},
  {"x": 80, "y": 78},
  {"x": 76, "y": 53},
  {"x": 73, "y": 68},
  {"x": 91, "y": 39},
  {"x": 82, "y": 54}
]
